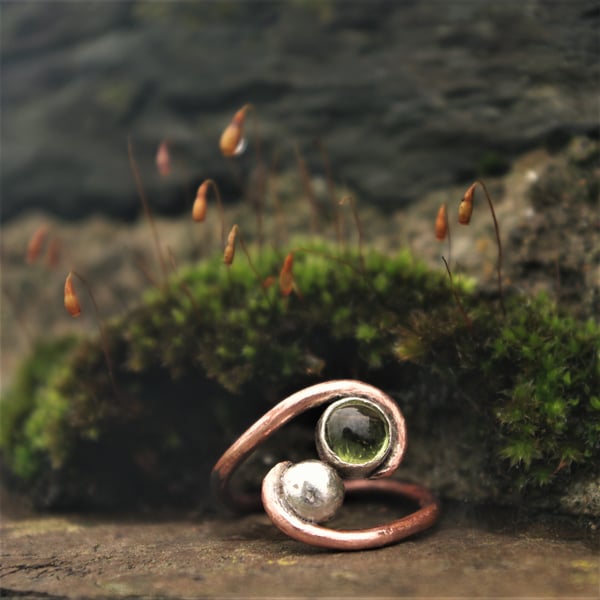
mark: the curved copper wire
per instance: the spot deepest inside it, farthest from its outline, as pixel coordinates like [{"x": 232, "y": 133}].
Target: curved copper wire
[
  {"x": 351, "y": 539},
  {"x": 282, "y": 517},
  {"x": 290, "y": 408}
]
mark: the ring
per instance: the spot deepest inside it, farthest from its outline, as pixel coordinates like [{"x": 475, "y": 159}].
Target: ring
[{"x": 360, "y": 439}]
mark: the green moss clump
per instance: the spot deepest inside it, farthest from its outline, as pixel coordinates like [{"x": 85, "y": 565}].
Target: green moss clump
[
  {"x": 199, "y": 358},
  {"x": 30, "y": 411},
  {"x": 550, "y": 417},
  {"x": 531, "y": 381},
  {"x": 205, "y": 355}
]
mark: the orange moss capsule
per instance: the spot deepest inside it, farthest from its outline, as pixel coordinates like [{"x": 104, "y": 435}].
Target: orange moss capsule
[
  {"x": 163, "y": 159},
  {"x": 232, "y": 139},
  {"x": 465, "y": 210},
  {"x": 36, "y": 242},
  {"x": 286, "y": 277},
  {"x": 229, "y": 253},
  {"x": 200, "y": 203},
  {"x": 71, "y": 301},
  {"x": 441, "y": 223}
]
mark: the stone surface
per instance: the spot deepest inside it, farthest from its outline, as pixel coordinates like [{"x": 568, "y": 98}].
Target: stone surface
[
  {"x": 406, "y": 96},
  {"x": 472, "y": 552}
]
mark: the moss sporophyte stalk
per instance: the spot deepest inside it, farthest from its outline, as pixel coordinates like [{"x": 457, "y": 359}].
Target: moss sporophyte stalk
[{"x": 214, "y": 345}]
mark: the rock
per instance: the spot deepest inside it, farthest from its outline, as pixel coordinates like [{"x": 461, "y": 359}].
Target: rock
[
  {"x": 405, "y": 97},
  {"x": 472, "y": 552}
]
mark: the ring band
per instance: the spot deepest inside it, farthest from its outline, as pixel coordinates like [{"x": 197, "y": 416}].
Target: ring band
[{"x": 361, "y": 434}]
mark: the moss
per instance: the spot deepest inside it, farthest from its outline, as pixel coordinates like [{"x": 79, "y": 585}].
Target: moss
[
  {"x": 549, "y": 410},
  {"x": 28, "y": 415},
  {"x": 203, "y": 356},
  {"x": 531, "y": 380},
  {"x": 209, "y": 351}
]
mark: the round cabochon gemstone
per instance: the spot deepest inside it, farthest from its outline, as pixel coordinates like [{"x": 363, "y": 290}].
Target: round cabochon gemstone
[{"x": 357, "y": 432}]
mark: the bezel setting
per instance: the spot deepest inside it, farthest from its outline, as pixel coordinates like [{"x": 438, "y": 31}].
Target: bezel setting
[{"x": 347, "y": 468}]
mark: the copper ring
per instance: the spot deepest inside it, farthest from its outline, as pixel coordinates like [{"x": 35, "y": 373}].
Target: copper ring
[{"x": 278, "y": 508}]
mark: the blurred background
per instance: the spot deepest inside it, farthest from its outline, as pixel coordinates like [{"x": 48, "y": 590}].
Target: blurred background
[
  {"x": 407, "y": 96},
  {"x": 404, "y": 103}
]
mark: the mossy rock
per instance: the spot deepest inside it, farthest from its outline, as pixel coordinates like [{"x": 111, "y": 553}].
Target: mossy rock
[{"x": 200, "y": 358}]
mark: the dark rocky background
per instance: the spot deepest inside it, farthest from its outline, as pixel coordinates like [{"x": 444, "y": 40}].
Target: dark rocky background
[{"x": 407, "y": 96}]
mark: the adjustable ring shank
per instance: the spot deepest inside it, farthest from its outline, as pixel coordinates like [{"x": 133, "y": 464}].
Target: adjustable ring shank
[
  {"x": 353, "y": 539},
  {"x": 272, "y": 498}
]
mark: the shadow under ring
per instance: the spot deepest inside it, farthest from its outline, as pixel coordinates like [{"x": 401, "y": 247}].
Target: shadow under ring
[{"x": 296, "y": 527}]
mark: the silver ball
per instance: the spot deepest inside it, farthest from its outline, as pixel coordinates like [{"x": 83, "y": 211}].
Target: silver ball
[{"x": 313, "y": 490}]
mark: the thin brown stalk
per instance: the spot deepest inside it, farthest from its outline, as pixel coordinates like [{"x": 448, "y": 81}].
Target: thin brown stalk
[
  {"x": 103, "y": 340},
  {"x": 185, "y": 288},
  {"x": 261, "y": 175},
  {"x": 148, "y": 213},
  {"x": 499, "y": 243},
  {"x": 215, "y": 187},
  {"x": 144, "y": 270},
  {"x": 252, "y": 267},
  {"x": 357, "y": 223},
  {"x": 172, "y": 259},
  {"x": 466, "y": 317},
  {"x": 189, "y": 202},
  {"x": 331, "y": 193},
  {"x": 281, "y": 234},
  {"x": 557, "y": 279},
  {"x": 257, "y": 139},
  {"x": 308, "y": 189}
]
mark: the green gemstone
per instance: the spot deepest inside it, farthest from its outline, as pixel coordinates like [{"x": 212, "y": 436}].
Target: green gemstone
[{"x": 357, "y": 432}]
